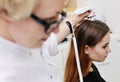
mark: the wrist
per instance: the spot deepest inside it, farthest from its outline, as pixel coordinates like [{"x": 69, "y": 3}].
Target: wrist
[{"x": 69, "y": 26}]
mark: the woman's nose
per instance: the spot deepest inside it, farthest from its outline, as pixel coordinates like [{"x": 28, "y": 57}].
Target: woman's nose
[{"x": 109, "y": 49}]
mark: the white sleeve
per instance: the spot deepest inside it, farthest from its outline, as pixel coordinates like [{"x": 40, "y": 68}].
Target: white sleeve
[{"x": 51, "y": 45}]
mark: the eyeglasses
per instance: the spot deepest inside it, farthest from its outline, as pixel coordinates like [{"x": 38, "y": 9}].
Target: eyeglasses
[{"x": 49, "y": 26}]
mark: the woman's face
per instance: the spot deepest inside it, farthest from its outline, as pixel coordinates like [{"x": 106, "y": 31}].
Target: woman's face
[
  {"x": 29, "y": 32},
  {"x": 101, "y": 50}
]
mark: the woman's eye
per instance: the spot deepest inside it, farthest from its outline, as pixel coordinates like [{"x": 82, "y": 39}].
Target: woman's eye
[{"x": 104, "y": 46}]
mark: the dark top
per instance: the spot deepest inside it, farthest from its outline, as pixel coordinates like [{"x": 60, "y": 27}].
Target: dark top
[{"x": 94, "y": 76}]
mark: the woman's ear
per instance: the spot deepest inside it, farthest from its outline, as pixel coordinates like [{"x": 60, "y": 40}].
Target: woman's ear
[{"x": 86, "y": 49}]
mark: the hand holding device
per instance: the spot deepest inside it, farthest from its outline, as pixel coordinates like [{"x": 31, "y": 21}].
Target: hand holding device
[{"x": 86, "y": 9}]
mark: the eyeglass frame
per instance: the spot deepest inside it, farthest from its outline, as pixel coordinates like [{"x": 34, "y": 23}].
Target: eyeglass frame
[{"x": 48, "y": 25}]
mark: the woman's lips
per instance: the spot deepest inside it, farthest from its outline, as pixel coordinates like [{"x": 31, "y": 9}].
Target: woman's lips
[{"x": 44, "y": 39}]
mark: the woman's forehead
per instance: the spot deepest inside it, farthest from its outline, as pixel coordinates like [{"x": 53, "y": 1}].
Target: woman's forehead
[{"x": 49, "y": 9}]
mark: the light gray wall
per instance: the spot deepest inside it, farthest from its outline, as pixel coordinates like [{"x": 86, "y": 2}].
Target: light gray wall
[{"x": 108, "y": 11}]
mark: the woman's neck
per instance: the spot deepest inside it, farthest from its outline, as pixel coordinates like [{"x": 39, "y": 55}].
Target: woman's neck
[{"x": 89, "y": 69}]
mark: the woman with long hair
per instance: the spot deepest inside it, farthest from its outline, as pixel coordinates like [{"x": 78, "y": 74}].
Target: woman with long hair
[{"x": 93, "y": 45}]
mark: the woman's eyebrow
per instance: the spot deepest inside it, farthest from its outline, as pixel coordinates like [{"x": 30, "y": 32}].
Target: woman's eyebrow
[
  {"x": 47, "y": 19},
  {"x": 106, "y": 43},
  {"x": 57, "y": 13}
]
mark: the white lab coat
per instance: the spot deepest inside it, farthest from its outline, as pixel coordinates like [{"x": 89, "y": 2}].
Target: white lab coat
[{"x": 19, "y": 64}]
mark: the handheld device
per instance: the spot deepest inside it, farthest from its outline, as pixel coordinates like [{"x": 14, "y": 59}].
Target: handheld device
[{"x": 86, "y": 9}]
